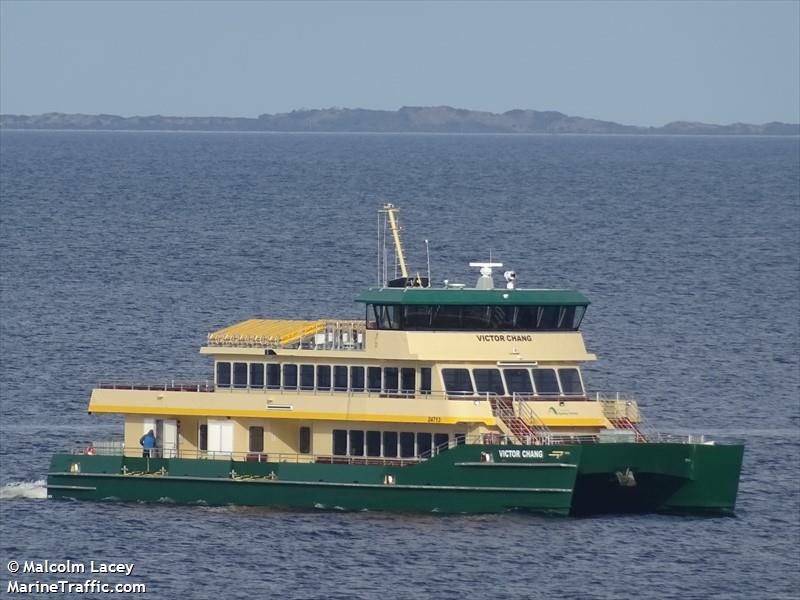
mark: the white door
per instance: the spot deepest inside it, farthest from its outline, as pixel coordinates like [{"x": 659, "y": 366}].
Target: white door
[
  {"x": 167, "y": 437},
  {"x": 220, "y": 438}
]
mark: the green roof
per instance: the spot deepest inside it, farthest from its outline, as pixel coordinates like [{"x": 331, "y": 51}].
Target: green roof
[{"x": 472, "y": 297}]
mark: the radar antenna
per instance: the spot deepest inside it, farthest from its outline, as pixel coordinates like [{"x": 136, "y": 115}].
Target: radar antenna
[{"x": 485, "y": 281}]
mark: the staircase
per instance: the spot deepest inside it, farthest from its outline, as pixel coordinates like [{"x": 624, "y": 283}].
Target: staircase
[
  {"x": 518, "y": 421},
  {"x": 624, "y": 414}
]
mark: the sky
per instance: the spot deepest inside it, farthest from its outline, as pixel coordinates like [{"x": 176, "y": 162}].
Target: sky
[{"x": 638, "y": 63}]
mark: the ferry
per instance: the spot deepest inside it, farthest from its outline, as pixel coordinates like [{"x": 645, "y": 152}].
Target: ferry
[{"x": 448, "y": 399}]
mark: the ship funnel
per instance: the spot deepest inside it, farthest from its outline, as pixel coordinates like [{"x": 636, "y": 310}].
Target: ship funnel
[{"x": 485, "y": 281}]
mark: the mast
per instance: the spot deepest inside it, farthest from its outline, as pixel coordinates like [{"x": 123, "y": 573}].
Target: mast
[{"x": 391, "y": 210}]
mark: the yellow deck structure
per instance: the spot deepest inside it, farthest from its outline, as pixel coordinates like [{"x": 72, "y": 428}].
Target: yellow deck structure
[{"x": 265, "y": 332}]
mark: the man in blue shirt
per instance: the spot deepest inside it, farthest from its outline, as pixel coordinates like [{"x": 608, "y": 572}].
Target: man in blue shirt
[{"x": 148, "y": 443}]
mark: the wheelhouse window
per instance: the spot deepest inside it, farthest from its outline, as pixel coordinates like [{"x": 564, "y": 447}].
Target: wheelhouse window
[
  {"x": 340, "y": 379},
  {"x": 256, "y": 439},
  {"x": 545, "y": 382},
  {"x": 488, "y": 381},
  {"x": 518, "y": 381},
  {"x": 273, "y": 376},
  {"x": 239, "y": 374},
  {"x": 323, "y": 377},
  {"x": 256, "y": 375},
  {"x": 224, "y": 374},
  {"x": 448, "y": 317},
  {"x": 357, "y": 379},
  {"x": 457, "y": 382},
  {"x": 290, "y": 377},
  {"x": 570, "y": 382}
]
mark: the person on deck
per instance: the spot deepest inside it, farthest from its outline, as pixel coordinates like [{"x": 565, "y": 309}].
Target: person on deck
[{"x": 148, "y": 443}]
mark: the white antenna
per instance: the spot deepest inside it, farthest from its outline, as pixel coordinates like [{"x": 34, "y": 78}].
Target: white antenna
[
  {"x": 485, "y": 281},
  {"x": 428, "y": 256}
]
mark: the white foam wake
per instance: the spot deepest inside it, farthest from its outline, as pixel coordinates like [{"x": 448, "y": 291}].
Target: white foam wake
[{"x": 24, "y": 489}]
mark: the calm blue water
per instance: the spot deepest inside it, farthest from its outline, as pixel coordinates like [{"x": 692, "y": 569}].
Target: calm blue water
[{"x": 121, "y": 251}]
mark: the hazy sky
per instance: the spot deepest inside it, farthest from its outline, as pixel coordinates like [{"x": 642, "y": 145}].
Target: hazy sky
[{"x": 641, "y": 63}]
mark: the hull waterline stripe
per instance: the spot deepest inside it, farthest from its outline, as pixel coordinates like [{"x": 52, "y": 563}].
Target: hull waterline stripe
[
  {"x": 454, "y": 488},
  {"x": 510, "y": 464},
  {"x": 72, "y": 487}
]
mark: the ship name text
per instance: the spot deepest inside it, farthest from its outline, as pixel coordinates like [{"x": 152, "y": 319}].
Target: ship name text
[
  {"x": 520, "y": 453},
  {"x": 504, "y": 337}
]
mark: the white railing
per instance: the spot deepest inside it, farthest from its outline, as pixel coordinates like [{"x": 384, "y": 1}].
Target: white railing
[{"x": 165, "y": 386}]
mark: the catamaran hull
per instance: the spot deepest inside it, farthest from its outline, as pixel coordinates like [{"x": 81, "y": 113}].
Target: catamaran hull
[{"x": 578, "y": 479}]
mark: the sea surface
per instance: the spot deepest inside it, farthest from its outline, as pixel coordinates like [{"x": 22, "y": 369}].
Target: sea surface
[{"x": 120, "y": 251}]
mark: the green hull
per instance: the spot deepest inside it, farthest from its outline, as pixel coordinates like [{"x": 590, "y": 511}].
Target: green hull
[{"x": 577, "y": 479}]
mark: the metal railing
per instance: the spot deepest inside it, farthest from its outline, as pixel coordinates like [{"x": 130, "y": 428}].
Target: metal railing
[
  {"x": 329, "y": 334},
  {"x": 166, "y": 386}
]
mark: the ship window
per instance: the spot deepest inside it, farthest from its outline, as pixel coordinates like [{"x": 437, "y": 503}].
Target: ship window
[
  {"x": 425, "y": 380},
  {"x": 440, "y": 442},
  {"x": 545, "y": 381},
  {"x": 356, "y": 443},
  {"x": 390, "y": 444},
  {"x": 340, "y": 379},
  {"x": 323, "y": 377},
  {"x": 446, "y": 317},
  {"x": 256, "y": 439},
  {"x": 202, "y": 434},
  {"x": 224, "y": 374},
  {"x": 305, "y": 440},
  {"x": 273, "y": 376},
  {"x": 373, "y": 443},
  {"x": 475, "y": 317},
  {"x": 306, "y": 377},
  {"x": 518, "y": 381},
  {"x": 424, "y": 443},
  {"x": 357, "y": 379},
  {"x": 290, "y": 377},
  {"x": 408, "y": 380},
  {"x": 256, "y": 375},
  {"x": 374, "y": 379},
  {"x": 406, "y": 444},
  {"x": 390, "y": 379},
  {"x": 239, "y": 374},
  {"x": 548, "y": 317},
  {"x": 340, "y": 442},
  {"x": 461, "y": 439},
  {"x": 488, "y": 381},
  {"x": 417, "y": 317},
  {"x": 570, "y": 382},
  {"x": 457, "y": 381}
]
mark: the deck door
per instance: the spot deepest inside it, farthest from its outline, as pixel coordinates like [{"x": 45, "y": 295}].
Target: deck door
[
  {"x": 220, "y": 438},
  {"x": 167, "y": 436}
]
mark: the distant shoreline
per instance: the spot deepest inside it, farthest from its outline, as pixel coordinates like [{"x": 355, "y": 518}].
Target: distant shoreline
[
  {"x": 400, "y": 133},
  {"x": 439, "y": 119}
]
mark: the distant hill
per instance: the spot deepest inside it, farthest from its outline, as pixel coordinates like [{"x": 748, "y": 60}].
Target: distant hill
[{"x": 416, "y": 119}]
